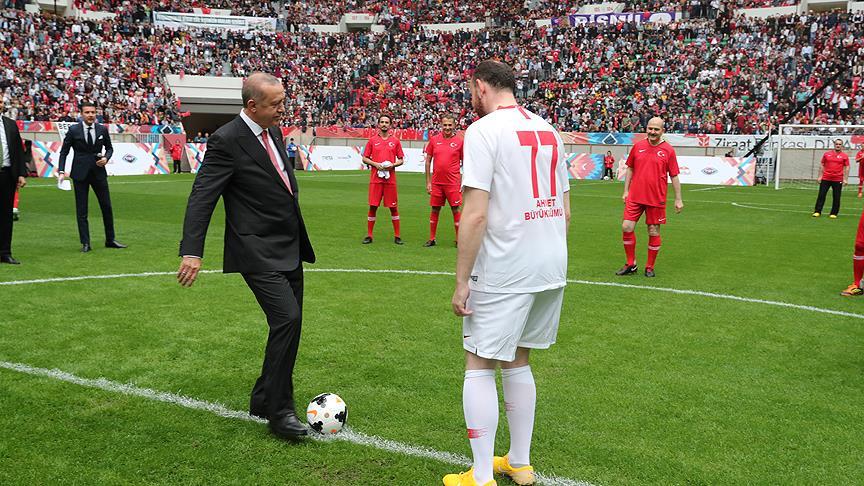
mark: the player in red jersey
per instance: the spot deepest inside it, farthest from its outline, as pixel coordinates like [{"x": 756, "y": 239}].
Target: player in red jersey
[
  {"x": 383, "y": 153},
  {"x": 608, "y": 162},
  {"x": 649, "y": 163},
  {"x": 833, "y": 174},
  {"x": 854, "y": 289},
  {"x": 859, "y": 157},
  {"x": 444, "y": 185}
]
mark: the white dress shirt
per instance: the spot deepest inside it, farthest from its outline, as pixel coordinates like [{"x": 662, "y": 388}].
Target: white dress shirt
[
  {"x": 84, "y": 127},
  {"x": 258, "y": 130},
  {"x": 6, "y": 162}
]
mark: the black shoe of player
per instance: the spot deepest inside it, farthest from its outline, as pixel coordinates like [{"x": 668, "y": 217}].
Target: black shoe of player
[
  {"x": 649, "y": 272},
  {"x": 627, "y": 270},
  {"x": 367, "y": 240},
  {"x": 429, "y": 243},
  {"x": 398, "y": 240}
]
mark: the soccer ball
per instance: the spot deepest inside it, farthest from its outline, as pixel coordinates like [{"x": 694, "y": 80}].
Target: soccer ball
[
  {"x": 327, "y": 413},
  {"x": 605, "y": 178}
]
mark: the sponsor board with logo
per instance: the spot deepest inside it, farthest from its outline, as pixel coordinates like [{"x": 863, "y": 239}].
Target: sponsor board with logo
[
  {"x": 732, "y": 171},
  {"x": 128, "y": 159}
]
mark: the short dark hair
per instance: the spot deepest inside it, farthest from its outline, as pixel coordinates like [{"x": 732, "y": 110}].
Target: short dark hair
[
  {"x": 496, "y": 74},
  {"x": 385, "y": 115},
  {"x": 251, "y": 89},
  {"x": 838, "y": 140},
  {"x": 448, "y": 116},
  {"x": 85, "y": 104}
]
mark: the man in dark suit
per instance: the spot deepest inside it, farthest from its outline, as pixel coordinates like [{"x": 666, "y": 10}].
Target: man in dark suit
[
  {"x": 12, "y": 173},
  {"x": 93, "y": 150},
  {"x": 265, "y": 237}
]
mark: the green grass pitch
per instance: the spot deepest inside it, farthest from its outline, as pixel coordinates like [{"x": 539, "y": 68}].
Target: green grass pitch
[{"x": 643, "y": 386}]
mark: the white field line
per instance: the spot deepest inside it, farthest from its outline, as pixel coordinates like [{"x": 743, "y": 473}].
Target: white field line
[
  {"x": 709, "y": 189},
  {"x": 697, "y": 293},
  {"x": 747, "y": 206},
  {"x": 347, "y": 435}
]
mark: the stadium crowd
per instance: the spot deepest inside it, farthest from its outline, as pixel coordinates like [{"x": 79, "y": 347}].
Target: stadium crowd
[{"x": 728, "y": 75}]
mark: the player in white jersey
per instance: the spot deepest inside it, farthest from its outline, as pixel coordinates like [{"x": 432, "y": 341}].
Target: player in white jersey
[{"x": 511, "y": 267}]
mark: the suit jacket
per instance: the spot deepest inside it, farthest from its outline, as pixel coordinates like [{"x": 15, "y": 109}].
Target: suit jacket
[
  {"x": 84, "y": 161},
  {"x": 16, "y": 147},
  {"x": 264, "y": 230}
]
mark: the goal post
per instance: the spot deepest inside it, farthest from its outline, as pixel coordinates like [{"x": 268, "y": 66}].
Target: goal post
[{"x": 799, "y": 150}]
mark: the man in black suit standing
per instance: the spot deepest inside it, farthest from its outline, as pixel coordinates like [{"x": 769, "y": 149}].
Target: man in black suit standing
[
  {"x": 12, "y": 173},
  {"x": 93, "y": 150},
  {"x": 265, "y": 237}
]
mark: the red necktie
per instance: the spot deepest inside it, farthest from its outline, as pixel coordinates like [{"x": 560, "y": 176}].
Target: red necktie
[{"x": 275, "y": 162}]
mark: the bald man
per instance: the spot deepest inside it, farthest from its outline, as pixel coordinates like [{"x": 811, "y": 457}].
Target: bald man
[
  {"x": 265, "y": 238},
  {"x": 648, "y": 165}
]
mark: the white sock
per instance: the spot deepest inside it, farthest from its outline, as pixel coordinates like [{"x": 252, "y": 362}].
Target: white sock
[
  {"x": 480, "y": 404},
  {"x": 520, "y": 399}
]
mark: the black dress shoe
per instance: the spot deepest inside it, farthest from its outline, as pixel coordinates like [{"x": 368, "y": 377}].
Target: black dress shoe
[
  {"x": 288, "y": 427},
  {"x": 85, "y": 247},
  {"x": 8, "y": 259},
  {"x": 114, "y": 244}
]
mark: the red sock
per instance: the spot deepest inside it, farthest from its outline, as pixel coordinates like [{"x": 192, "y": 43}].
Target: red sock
[
  {"x": 394, "y": 216},
  {"x": 370, "y": 221},
  {"x": 433, "y": 224},
  {"x": 653, "y": 249},
  {"x": 457, "y": 216},
  {"x": 858, "y": 268},
  {"x": 630, "y": 247},
  {"x": 15, "y": 201}
]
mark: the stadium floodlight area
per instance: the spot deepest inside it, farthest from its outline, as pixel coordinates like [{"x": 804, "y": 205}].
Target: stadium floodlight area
[{"x": 799, "y": 159}]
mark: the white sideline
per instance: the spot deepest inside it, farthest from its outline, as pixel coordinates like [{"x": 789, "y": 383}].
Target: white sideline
[
  {"x": 347, "y": 435},
  {"x": 698, "y": 293},
  {"x": 739, "y": 205}
]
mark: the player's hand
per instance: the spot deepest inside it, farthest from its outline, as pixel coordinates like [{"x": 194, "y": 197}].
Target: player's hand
[
  {"x": 679, "y": 205},
  {"x": 21, "y": 182},
  {"x": 428, "y": 188},
  {"x": 624, "y": 197},
  {"x": 188, "y": 271},
  {"x": 460, "y": 300},
  {"x": 60, "y": 177},
  {"x": 845, "y": 182}
]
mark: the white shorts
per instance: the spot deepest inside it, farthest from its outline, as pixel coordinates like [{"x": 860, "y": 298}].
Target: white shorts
[{"x": 502, "y": 322}]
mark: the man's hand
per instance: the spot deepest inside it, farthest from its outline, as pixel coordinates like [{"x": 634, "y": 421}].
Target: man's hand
[
  {"x": 188, "y": 271},
  {"x": 460, "y": 300},
  {"x": 428, "y": 188},
  {"x": 679, "y": 205},
  {"x": 624, "y": 196},
  {"x": 21, "y": 182},
  {"x": 102, "y": 162}
]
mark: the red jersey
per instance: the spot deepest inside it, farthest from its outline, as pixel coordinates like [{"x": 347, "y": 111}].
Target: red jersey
[
  {"x": 833, "y": 163},
  {"x": 608, "y": 161},
  {"x": 651, "y": 165},
  {"x": 446, "y": 159},
  {"x": 383, "y": 150},
  {"x": 859, "y": 157}
]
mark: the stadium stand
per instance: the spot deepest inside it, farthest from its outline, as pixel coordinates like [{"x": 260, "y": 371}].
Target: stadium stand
[{"x": 726, "y": 75}]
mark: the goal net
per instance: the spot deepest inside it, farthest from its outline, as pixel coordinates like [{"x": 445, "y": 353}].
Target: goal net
[{"x": 799, "y": 150}]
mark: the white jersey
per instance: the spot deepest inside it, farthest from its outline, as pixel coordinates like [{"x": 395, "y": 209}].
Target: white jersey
[{"x": 519, "y": 159}]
